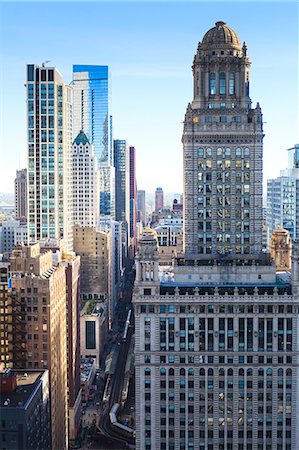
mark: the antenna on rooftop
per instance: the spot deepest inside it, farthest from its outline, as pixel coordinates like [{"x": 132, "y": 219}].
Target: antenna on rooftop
[{"x": 45, "y": 62}]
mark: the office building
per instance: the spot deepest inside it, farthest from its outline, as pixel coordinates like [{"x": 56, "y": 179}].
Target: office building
[
  {"x": 93, "y": 247},
  {"x": 92, "y": 110},
  {"x": 25, "y": 409},
  {"x": 72, "y": 265},
  {"x": 222, "y": 142},
  {"x": 92, "y": 113},
  {"x": 113, "y": 231},
  {"x": 49, "y": 123},
  {"x": 283, "y": 198},
  {"x": 94, "y": 326},
  {"x": 215, "y": 334},
  {"x": 107, "y": 191},
  {"x": 215, "y": 353},
  {"x": 122, "y": 191},
  {"x": 85, "y": 182},
  {"x": 12, "y": 232},
  {"x": 21, "y": 195},
  {"x": 133, "y": 202},
  {"x": 141, "y": 214},
  {"x": 37, "y": 326},
  {"x": 159, "y": 199}
]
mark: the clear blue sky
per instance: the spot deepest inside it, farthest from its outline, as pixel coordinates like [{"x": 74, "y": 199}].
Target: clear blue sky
[{"x": 149, "y": 48}]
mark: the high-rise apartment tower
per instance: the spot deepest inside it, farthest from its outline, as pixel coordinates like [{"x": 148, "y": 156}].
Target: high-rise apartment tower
[{"x": 49, "y": 123}]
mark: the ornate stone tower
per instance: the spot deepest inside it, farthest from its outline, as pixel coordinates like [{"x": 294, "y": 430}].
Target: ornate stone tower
[
  {"x": 222, "y": 142},
  {"x": 147, "y": 260},
  {"x": 281, "y": 249}
]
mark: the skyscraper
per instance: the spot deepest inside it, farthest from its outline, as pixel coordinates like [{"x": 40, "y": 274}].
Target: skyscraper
[
  {"x": 122, "y": 191},
  {"x": 215, "y": 334},
  {"x": 37, "y": 292},
  {"x": 92, "y": 109},
  {"x": 21, "y": 194},
  {"x": 222, "y": 143},
  {"x": 133, "y": 201},
  {"x": 283, "y": 198},
  {"x": 159, "y": 199},
  {"x": 92, "y": 113},
  {"x": 85, "y": 182},
  {"x": 49, "y": 123},
  {"x": 141, "y": 217}
]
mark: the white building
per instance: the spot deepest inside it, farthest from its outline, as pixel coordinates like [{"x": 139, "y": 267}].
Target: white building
[
  {"x": 49, "y": 124},
  {"x": 283, "y": 198},
  {"x": 93, "y": 327},
  {"x": 13, "y": 232},
  {"x": 85, "y": 182}
]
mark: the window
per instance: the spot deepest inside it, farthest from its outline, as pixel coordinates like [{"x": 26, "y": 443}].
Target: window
[
  {"x": 90, "y": 335},
  {"x": 231, "y": 83},
  {"x": 222, "y": 82},
  {"x": 212, "y": 83}
]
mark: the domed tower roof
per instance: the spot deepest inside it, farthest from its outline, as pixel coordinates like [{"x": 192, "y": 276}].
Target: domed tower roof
[{"x": 221, "y": 37}]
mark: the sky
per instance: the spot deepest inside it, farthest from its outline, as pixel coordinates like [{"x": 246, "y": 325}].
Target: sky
[{"x": 149, "y": 48}]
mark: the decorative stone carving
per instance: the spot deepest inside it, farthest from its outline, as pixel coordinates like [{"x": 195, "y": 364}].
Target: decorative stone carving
[{"x": 280, "y": 249}]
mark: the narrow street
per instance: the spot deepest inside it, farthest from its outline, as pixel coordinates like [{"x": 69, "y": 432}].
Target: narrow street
[{"x": 97, "y": 431}]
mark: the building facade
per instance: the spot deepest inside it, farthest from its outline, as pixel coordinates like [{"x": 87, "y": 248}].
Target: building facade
[
  {"x": 222, "y": 145},
  {"x": 113, "y": 229},
  {"x": 122, "y": 191},
  {"x": 25, "y": 409},
  {"x": 85, "y": 182},
  {"x": 159, "y": 200},
  {"x": 216, "y": 334},
  {"x": 93, "y": 247},
  {"x": 37, "y": 326},
  {"x": 92, "y": 110},
  {"x": 215, "y": 354},
  {"x": 21, "y": 195},
  {"x": 92, "y": 113},
  {"x": 283, "y": 198},
  {"x": 12, "y": 232},
  {"x": 133, "y": 202},
  {"x": 93, "y": 324},
  {"x": 49, "y": 129},
  {"x": 141, "y": 212}
]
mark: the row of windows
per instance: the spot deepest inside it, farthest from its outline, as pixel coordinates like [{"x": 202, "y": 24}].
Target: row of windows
[
  {"x": 221, "y": 88},
  {"x": 220, "y": 151},
  {"x": 215, "y": 309}
]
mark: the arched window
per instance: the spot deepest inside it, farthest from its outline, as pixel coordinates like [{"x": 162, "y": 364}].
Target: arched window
[
  {"x": 280, "y": 372},
  {"x": 171, "y": 372},
  {"x": 232, "y": 83},
  {"x": 201, "y": 372},
  {"x": 190, "y": 371},
  {"x": 212, "y": 83},
  {"x": 147, "y": 372},
  {"x": 182, "y": 372},
  {"x": 222, "y": 83}
]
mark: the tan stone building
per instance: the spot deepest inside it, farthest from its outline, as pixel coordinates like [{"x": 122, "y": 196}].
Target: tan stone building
[
  {"x": 37, "y": 326},
  {"x": 93, "y": 247},
  {"x": 281, "y": 249}
]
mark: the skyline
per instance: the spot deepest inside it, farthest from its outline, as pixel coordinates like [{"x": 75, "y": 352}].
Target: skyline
[{"x": 151, "y": 73}]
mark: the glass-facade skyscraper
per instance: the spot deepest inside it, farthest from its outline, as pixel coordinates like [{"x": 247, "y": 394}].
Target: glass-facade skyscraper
[
  {"x": 92, "y": 108},
  {"x": 91, "y": 113}
]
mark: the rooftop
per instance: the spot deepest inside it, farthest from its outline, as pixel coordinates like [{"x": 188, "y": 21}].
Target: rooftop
[{"x": 26, "y": 383}]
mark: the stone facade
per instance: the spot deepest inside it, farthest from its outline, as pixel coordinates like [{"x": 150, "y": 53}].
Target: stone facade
[
  {"x": 281, "y": 249},
  {"x": 215, "y": 363},
  {"x": 222, "y": 143}
]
